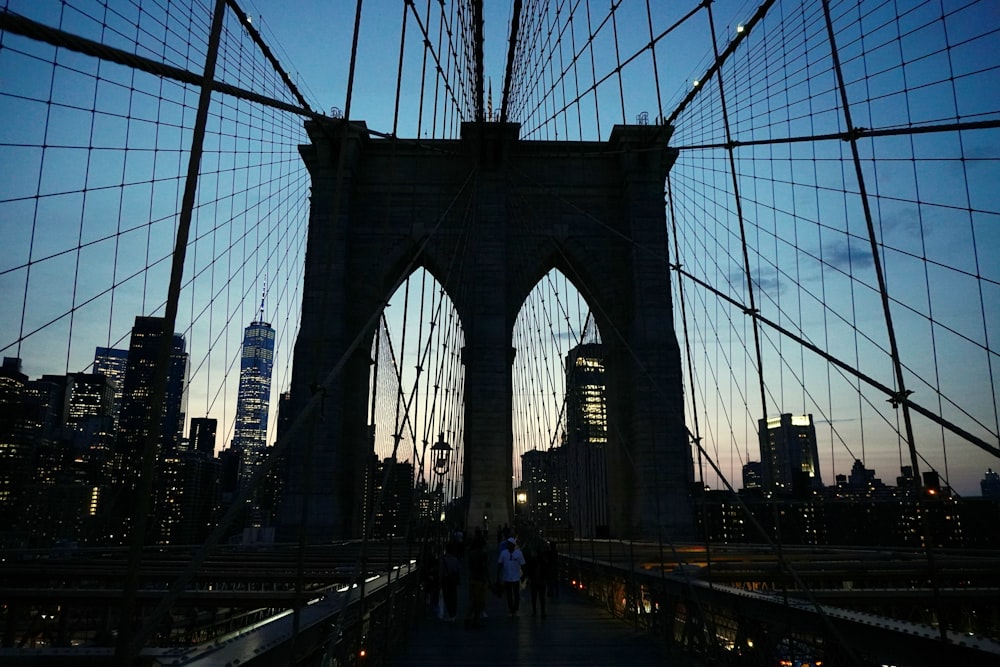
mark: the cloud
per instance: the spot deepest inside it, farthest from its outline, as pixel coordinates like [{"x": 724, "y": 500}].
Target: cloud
[
  {"x": 769, "y": 283},
  {"x": 847, "y": 253},
  {"x": 900, "y": 221}
]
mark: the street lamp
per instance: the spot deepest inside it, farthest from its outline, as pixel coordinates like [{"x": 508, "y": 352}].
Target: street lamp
[
  {"x": 442, "y": 456},
  {"x": 441, "y": 451}
]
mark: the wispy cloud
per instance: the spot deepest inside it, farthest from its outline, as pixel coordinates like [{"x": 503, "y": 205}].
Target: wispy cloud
[
  {"x": 847, "y": 254},
  {"x": 769, "y": 283}
]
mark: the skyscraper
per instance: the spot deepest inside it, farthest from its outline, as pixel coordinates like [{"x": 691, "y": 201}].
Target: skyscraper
[
  {"x": 789, "y": 455},
  {"x": 140, "y": 371},
  {"x": 134, "y": 420},
  {"x": 112, "y": 363},
  {"x": 202, "y": 435},
  {"x": 390, "y": 497},
  {"x": 752, "y": 475},
  {"x": 586, "y": 439},
  {"x": 250, "y": 436},
  {"x": 88, "y": 396},
  {"x": 14, "y": 443},
  {"x": 990, "y": 484},
  {"x": 90, "y": 422},
  {"x": 543, "y": 478}
]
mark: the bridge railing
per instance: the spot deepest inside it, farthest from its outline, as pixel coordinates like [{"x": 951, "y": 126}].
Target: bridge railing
[
  {"x": 343, "y": 624},
  {"x": 726, "y": 625}
]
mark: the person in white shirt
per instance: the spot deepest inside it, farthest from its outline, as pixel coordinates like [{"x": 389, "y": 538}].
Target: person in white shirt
[{"x": 509, "y": 566}]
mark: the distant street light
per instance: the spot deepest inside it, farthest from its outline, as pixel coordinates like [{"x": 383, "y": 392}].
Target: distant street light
[{"x": 442, "y": 456}]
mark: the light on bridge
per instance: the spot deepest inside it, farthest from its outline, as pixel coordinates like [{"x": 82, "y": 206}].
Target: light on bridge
[{"x": 442, "y": 456}]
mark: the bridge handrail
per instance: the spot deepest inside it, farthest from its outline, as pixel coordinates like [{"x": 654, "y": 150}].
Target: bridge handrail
[
  {"x": 317, "y": 620},
  {"x": 684, "y": 587}
]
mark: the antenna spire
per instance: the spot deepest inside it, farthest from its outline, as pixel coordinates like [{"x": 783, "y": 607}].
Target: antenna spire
[{"x": 263, "y": 295}]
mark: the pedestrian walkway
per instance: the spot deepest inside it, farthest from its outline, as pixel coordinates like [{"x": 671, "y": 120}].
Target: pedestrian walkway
[{"x": 575, "y": 631}]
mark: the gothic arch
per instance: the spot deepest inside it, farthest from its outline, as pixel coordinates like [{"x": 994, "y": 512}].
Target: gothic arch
[{"x": 592, "y": 209}]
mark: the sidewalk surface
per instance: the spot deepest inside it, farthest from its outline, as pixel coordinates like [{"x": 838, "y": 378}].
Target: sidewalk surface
[{"x": 575, "y": 631}]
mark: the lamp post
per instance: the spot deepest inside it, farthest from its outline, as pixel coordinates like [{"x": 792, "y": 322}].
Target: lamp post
[
  {"x": 442, "y": 456},
  {"x": 441, "y": 452}
]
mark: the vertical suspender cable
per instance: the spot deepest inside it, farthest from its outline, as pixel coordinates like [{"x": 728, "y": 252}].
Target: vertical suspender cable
[
  {"x": 656, "y": 69},
  {"x": 618, "y": 58},
  {"x": 477, "y": 17},
  {"x": 514, "y": 22},
  {"x": 593, "y": 71},
  {"x": 354, "y": 60}
]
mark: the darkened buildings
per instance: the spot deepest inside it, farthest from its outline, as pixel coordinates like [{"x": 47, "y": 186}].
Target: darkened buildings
[
  {"x": 46, "y": 488},
  {"x": 753, "y": 478},
  {"x": 202, "y": 435},
  {"x": 390, "y": 498},
  {"x": 89, "y": 424},
  {"x": 188, "y": 488},
  {"x": 187, "y": 498},
  {"x": 586, "y": 440},
  {"x": 15, "y": 448},
  {"x": 860, "y": 483},
  {"x": 44, "y": 406},
  {"x": 134, "y": 425},
  {"x": 990, "y": 484},
  {"x": 789, "y": 455},
  {"x": 143, "y": 352},
  {"x": 545, "y": 485}
]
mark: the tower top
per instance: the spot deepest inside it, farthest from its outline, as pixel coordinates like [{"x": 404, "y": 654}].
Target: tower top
[{"x": 263, "y": 296}]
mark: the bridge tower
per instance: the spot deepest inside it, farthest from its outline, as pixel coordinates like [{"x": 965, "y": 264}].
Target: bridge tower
[{"x": 488, "y": 215}]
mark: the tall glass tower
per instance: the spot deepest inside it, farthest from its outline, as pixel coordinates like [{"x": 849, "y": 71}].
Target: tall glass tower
[
  {"x": 250, "y": 435},
  {"x": 113, "y": 363},
  {"x": 586, "y": 440}
]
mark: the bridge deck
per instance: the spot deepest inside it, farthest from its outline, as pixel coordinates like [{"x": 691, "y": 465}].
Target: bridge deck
[{"x": 575, "y": 631}]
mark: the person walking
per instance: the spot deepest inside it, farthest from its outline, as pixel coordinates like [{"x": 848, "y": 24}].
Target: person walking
[
  {"x": 478, "y": 563},
  {"x": 537, "y": 575},
  {"x": 550, "y": 564},
  {"x": 430, "y": 575},
  {"x": 509, "y": 566},
  {"x": 450, "y": 569}
]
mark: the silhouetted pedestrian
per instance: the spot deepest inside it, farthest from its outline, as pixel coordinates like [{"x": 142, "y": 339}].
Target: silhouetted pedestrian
[
  {"x": 450, "y": 575},
  {"x": 430, "y": 577},
  {"x": 550, "y": 565},
  {"x": 478, "y": 563},
  {"x": 509, "y": 565},
  {"x": 538, "y": 572}
]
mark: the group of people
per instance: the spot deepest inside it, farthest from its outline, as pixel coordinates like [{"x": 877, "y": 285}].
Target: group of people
[{"x": 533, "y": 561}]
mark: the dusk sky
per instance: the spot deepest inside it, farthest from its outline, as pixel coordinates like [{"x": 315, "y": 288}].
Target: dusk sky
[{"x": 105, "y": 150}]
